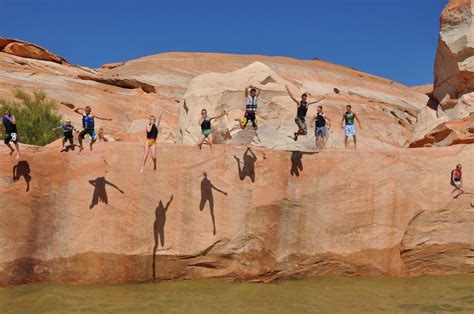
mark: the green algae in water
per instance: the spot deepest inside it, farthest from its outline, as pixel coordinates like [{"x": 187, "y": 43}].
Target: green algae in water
[{"x": 426, "y": 294}]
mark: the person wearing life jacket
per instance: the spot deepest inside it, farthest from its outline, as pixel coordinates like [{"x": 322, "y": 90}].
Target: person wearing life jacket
[
  {"x": 456, "y": 180},
  {"x": 11, "y": 134},
  {"x": 251, "y": 94},
  {"x": 301, "y": 111},
  {"x": 150, "y": 141},
  {"x": 88, "y": 124},
  {"x": 347, "y": 123},
  {"x": 68, "y": 130},
  {"x": 206, "y": 128},
  {"x": 320, "y": 120}
]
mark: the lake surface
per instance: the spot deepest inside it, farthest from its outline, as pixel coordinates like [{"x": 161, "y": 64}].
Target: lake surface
[{"x": 430, "y": 294}]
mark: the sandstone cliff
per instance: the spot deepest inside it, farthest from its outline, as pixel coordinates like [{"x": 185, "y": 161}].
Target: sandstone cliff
[{"x": 258, "y": 215}]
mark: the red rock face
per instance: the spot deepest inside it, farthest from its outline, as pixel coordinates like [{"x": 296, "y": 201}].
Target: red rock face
[
  {"x": 27, "y": 50},
  {"x": 276, "y": 211},
  {"x": 92, "y": 218}
]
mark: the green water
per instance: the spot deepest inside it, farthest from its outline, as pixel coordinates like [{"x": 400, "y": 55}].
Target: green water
[{"x": 431, "y": 294}]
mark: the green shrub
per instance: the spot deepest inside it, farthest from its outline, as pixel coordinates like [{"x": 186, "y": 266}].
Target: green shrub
[{"x": 35, "y": 117}]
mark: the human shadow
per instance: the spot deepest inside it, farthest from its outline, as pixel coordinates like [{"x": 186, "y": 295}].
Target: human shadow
[
  {"x": 100, "y": 192},
  {"x": 22, "y": 169},
  {"x": 206, "y": 196},
  {"x": 248, "y": 169},
  {"x": 69, "y": 147},
  {"x": 297, "y": 163},
  {"x": 159, "y": 229}
]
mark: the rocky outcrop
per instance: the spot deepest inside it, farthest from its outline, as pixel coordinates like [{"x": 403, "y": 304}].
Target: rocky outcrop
[
  {"x": 124, "y": 83},
  {"x": 449, "y": 133},
  {"x": 388, "y": 114},
  {"x": 27, "y": 50},
  {"x": 129, "y": 92},
  {"x": 258, "y": 215},
  {"x": 454, "y": 64}
]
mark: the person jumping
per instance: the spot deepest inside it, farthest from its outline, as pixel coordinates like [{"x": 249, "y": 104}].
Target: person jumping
[
  {"x": 456, "y": 181},
  {"x": 321, "y": 131},
  {"x": 347, "y": 123},
  {"x": 150, "y": 141},
  {"x": 302, "y": 109},
  {"x": 67, "y": 128},
  {"x": 88, "y": 125},
  {"x": 251, "y": 94},
  {"x": 206, "y": 128},
  {"x": 11, "y": 134}
]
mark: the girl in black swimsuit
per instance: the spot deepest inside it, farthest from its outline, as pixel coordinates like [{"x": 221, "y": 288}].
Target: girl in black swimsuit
[{"x": 150, "y": 141}]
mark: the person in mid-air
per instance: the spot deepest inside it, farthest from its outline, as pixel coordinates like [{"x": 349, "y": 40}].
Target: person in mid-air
[
  {"x": 347, "y": 123},
  {"x": 11, "y": 134},
  {"x": 206, "y": 128},
  {"x": 68, "y": 130},
  {"x": 456, "y": 181},
  {"x": 150, "y": 141},
  {"x": 88, "y": 124},
  {"x": 251, "y": 95},
  {"x": 320, "y": 120},
  {"x": 302, "y": 109}
]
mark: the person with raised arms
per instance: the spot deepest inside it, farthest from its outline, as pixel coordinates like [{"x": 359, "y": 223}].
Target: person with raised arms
[
  {"x": 150, "y": 141},
  {"x": 206, "y": 128},
  {"x": 88, "y": 124},
  {"x": 301, "y": 111},
  {"x": 251, "y": 95}
]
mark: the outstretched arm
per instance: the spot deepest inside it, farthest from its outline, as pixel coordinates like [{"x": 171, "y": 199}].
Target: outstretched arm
[
  {"x": 247, "y": 91},
  {"x": 219, "y": 116},
  {"x": 101, "y": 118},
  {"x": 218, "y": 190},
  {"x": 113, "y": 185},
  {"x": 159, "y": 116},
  {"x": 79, "y": 111},
  {"x": 252, "y": 153},
  {"x": 168, "y": 204},
  {"x": 291, "y": 95},
  {"x": 318, "y": 100},
  {"x": 92, "y": 182}
]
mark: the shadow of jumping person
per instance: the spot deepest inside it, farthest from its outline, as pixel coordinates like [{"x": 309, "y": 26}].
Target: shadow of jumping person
[
  {"x": 248, "y": 170},
  {"x": 22, "y": 169},
  {"x": 100, "y": 193},
  {"x": 206, "y": 196},
  {"x": 297, "y": 163},
  {"x": 159, "y": 229}
]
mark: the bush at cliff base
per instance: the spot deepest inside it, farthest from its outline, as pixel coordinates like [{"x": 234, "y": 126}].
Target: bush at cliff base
[{"x": 35, "y": 117}]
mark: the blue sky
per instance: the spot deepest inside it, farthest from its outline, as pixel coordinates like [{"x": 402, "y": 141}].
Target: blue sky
[{"x": 396, "y": 39}]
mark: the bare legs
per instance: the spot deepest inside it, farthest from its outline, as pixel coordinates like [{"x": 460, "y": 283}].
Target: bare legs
[
  {"x": 149, "y": 149},
  {"x": 12, "y": 150},
  {"x": 210, "y": 140},
  {"x": 355, "y": 141},
  {"x": 81, "y": 148},
  {"x": 459, "y": 188}
]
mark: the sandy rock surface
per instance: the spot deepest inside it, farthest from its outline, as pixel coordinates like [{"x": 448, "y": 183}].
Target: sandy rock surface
[{"x": 245, "y": 215}]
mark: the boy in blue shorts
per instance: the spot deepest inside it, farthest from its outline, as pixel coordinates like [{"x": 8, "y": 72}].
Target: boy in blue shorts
[{"x": 347, "y": 123}]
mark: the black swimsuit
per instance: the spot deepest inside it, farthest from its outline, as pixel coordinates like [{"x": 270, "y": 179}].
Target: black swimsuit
[{"x": 153, "y": 133}]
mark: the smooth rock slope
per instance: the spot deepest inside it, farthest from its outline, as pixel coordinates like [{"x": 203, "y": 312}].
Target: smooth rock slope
[{"x": 258, "y": 215}]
